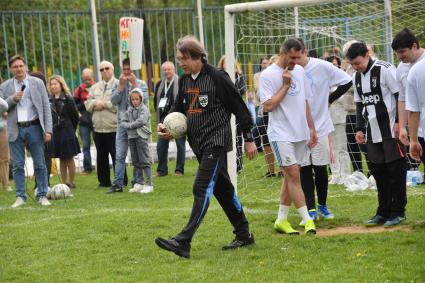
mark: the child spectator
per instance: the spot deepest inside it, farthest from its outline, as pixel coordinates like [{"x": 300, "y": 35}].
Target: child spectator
[{"x": 136, "y": 122}]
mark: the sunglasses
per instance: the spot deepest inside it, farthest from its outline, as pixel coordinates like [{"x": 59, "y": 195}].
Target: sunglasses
[{"x": 104, "y": 69}]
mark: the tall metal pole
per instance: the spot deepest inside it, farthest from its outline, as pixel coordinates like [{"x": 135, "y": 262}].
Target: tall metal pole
[
  {"x": 200, "y": 21},
  {"x": 95, "y": 39},
  {"x": 388, "y": 31}
]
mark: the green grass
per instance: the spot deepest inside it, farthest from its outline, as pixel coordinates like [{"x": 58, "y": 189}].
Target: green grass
[{"x": 110, "y": 238}]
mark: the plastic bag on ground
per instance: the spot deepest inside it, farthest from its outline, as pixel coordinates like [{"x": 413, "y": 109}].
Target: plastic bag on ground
[{"x": 356, "y": 182}]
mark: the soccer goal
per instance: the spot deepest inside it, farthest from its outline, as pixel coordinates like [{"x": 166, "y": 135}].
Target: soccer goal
[{"x": 256, "y": 30}]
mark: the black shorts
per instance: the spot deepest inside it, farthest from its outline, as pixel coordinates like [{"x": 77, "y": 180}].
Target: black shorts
[{"x": 386, "y": 151}]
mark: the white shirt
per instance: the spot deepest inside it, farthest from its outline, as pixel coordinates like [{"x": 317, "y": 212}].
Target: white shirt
[
  {"x": 288, "y": 121},
  {"x": 402, "y": 72},
  {"x": 389, "y": 86},
  {"x": 322, "y": 76},
  {"x": 25, "y": 108},
  {"x": 415, "y": 90}
]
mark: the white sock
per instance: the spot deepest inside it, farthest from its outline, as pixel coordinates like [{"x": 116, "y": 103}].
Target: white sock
[
  {"x": 304, "y": 213},
  {"x": 283, "y": 212}
]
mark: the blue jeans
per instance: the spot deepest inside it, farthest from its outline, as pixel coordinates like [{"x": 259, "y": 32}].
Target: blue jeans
[
  {"x": 85, "y": 133},
  {"x": 121, "y": 145},
  {"x": 162, "y": 151},
  {"x": 32, "y": 137}
]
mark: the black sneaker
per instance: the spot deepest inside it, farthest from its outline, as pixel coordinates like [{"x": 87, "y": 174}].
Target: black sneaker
[
  {"x": 172, "y": 245},
  {"x": 114, "y": 189},
  {"x": 238, "y": 243}
]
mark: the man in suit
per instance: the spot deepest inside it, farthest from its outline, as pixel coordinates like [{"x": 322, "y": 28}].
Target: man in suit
[{"x": 29, "y": 124}]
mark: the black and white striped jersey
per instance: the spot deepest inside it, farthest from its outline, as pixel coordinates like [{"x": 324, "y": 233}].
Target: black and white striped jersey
[
  {"x": 376, "y": 92},
  {"x": 208, "y": 101}
]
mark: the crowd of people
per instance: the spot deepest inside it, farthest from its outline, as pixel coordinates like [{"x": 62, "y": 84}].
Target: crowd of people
[{"x": 312, "y": 115}]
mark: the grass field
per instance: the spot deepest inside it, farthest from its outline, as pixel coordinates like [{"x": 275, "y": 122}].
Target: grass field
[{"x": 110, "y": 238}]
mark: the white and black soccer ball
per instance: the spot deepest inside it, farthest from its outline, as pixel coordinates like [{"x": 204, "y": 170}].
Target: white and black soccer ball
[
  {"x": 176, "y": 124},
  {"x": 60, "y": 191}
]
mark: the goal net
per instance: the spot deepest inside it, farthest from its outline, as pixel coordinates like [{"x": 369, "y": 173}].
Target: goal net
[{"x": 256, "y": 30}]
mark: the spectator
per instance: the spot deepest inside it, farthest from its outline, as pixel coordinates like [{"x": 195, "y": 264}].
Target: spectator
[
  {"x": 136, "y": 122},
  {"x": 104, "y": 121},
  {"x": 65, "y": 120},
  {"x": 4, "y": 152},
  {"x": 255, "y": 99},
  {"x": 29, "y": 123},
  {"x": 85, "y": 122},
  {"x": 120, "y": 98},
  {"x": 240, "y": 86},
  {"x": 165, "y": 95},
  {"x": 340, "y": 165}
]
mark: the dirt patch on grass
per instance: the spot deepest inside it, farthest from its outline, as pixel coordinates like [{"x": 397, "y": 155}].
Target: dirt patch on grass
[{"x": 358, "y": 230}]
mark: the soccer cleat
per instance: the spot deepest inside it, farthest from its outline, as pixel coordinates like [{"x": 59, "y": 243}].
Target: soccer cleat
[
  {"x": 172, "y": 245},
  {"x": 44, "y": 201},
  {"x": 393, "y": 221},
  {"x": 284, "y": 227},
  {"x": 376, "y": 220},
  {"x": 137, "y": 188},
  {"x": 313, "y": 216},
  {"x": 238, "y": 243},
  {"x": 310, "y": 227},
  {"x": 19, "y": 202},
  {"x": 147, "y": 189},
  {"x": 324, "y": 212}
]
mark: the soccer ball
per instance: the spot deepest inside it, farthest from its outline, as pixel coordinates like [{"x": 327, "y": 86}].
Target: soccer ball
[
  {"x": 60, "y": 191},
  {"x": 176, "y": 124}
]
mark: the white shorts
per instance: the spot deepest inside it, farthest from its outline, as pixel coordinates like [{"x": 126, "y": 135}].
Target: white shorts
[
  {"x": 290, "y": 153},
  {"x": 320, "y": 154}
]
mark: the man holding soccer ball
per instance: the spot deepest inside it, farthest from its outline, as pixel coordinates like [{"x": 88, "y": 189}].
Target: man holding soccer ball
[{"x": 208, "y": 97}]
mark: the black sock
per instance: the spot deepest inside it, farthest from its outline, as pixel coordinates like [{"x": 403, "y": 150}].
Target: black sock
[
  {"x": 321, "y": 181},
  {"x": 307, "y": 184}
]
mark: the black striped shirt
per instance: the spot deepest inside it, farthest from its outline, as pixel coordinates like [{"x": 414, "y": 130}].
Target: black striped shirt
[{"x": 208, "y": 102}]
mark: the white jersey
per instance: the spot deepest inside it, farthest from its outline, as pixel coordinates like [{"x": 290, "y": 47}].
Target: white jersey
[
  {"x": 377, "y": 86},
  {"x": 288, "y": 121},
  {"x": 402, "y": 72},
  {"x": 415, "y": 90},
  {"x": 323, "y": 76}
]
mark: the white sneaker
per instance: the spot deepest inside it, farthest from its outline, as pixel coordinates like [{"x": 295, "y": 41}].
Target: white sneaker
[
  {"x": 9, "y": 189},
  {"x": 44, "y": 201},
  {"x": 137, "y": 188},
  {"x": 19, "y": 202},
  {"x": 147, "y": 189}
]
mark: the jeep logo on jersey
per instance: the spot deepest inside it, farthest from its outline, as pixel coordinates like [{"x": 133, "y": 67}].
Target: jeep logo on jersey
[
  {"x": 203, "y": 100},
  {"x": 371, "y": 99}
]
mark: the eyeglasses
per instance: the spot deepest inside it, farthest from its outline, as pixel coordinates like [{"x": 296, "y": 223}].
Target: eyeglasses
[{"x": 104, "y": 69}]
